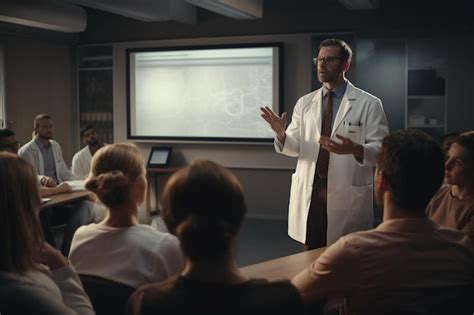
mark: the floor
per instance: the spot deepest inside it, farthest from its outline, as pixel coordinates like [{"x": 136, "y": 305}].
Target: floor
[
  {"x": 259, "y": 239},
  {"x": 264, "y": 239}
]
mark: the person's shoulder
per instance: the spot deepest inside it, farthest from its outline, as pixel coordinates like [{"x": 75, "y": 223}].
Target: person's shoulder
[
  {"x": 81, "y": 152},
  {"x": 353, "y": 242},
  {"x": 150, "y": 231},
  {"x": 54, "y": 143},
  {"x": 309, "y": 97},
  {"x": 313, "y": 93},
  {"x": 157, "y": 238},
  {"x": 26, "y": 147},
  {"x": 442, "y": 193},
  {"x": 453, "y": 236},
  {"x": 86, "y": 231}
]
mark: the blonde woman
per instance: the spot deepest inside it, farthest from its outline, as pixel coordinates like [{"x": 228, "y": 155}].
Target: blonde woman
[
  {"x": 34, "y": 277},
  {"x": 119, "y": 248}
]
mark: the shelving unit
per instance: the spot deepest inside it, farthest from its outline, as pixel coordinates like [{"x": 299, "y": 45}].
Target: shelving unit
[
  {"x": 95, "y": 89},
  {"x": 426, "y": 77}
]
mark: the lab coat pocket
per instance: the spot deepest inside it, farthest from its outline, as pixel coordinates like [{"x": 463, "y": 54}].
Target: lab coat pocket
[{"x": 353, "y": 132}]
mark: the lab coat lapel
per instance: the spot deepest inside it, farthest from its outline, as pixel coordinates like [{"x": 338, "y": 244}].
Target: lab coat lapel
[
  {"x": 316, "y": 113},
  {"x": 344, "y": 108}
]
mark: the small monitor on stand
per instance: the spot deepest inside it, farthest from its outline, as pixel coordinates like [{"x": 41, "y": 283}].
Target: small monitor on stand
[{"x": 159, "y": 157}]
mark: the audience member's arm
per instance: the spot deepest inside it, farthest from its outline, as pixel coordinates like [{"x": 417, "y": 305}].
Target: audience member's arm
[
  {"x": 331, "y": 275},
  {"x": 46, "y": 181},
  {"x": 66, "y": 278},
  {"x": 469, "y": 229},
  {"x": 63, "y": 171},
  {"x": 50, "y": 191},
  {"x": 78, "y": 168}
]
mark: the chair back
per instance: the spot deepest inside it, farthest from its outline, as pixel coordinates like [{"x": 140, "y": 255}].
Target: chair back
[{"x": 107, "y": 296}]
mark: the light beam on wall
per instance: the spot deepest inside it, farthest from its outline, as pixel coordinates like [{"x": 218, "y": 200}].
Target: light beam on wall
[{"x": 236, "y": 9}]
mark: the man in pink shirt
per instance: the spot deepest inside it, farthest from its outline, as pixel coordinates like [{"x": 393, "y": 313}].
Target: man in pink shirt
[{"x": 408, "y": 264}]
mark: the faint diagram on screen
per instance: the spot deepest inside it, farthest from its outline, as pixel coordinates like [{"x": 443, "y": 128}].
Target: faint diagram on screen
[{"x": 203, "y": 93}]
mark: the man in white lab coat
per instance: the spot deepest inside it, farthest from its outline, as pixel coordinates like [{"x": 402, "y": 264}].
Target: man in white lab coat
[
  {"x": 81, "y": 161},
  {"x": 336, "y": 133},
  {"x": 46, "y": 157}
]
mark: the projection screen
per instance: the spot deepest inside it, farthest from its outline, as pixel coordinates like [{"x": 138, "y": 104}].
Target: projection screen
[{"x": 211, "y": 93}]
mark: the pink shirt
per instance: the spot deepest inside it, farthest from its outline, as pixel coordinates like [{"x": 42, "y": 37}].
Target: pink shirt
[
  {"x": 449, "y": 211},
  {"x": 392, "y": 267}
]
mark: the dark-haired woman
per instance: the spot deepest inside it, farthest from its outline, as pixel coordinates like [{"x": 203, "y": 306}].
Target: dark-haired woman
[
  {"x": 453, "y": 205},
  {"x": 119, "y": 248},
  {"x": 34, "y": 277},
  {"x": 203, "y": 204}
]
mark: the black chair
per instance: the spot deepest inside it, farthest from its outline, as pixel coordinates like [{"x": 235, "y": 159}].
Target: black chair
[{"x": 107, "y": 296}]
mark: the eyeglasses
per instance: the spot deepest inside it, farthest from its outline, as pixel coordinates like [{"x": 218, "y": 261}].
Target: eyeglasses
[{"x": 326, "y": 60}]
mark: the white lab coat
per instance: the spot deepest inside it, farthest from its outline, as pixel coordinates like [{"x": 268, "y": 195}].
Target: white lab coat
[
  {"x": 81, "y": 163},
  {"x": 350, "y": 184},
  {"x": 31, "y": 152}
]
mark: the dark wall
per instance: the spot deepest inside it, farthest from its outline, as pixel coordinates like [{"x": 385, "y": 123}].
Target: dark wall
[
  {"x": 380, "y": 68},
  {"x": 394, "y": 18},
  {"x": 381, "y": 71},
  {"x": 385, "y": 30}
]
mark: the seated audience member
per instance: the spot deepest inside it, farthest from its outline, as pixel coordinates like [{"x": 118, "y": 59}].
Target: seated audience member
[
  {"x": 408, "y": 264},
  {"x": 203, "y": 204},
  {"x": 453, "y": 205},
  {"x": 8, "y": 143},
  {"x": 119, "y": 248},
  {"x": 46, "y": 157},
  {"x": 81, "y": 162},
  {"x": 34, "y": 277},
  {"x": 447, "y": 140}
]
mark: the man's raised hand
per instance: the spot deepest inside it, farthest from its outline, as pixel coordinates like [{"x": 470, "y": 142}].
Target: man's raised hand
[{"x": 277, "y": 123}]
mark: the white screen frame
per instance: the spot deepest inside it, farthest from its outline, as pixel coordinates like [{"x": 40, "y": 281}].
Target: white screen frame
[{"x": 277, "y": 95}]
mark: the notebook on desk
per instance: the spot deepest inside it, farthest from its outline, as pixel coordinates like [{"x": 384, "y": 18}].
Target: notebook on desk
[
  {"x": 76, "y": 185},
  {"x": 45, "y": 200},
  {"x": 159, "y": 157}
]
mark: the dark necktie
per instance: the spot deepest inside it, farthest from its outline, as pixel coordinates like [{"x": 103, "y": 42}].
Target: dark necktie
[{"x": 326, "y": 129}]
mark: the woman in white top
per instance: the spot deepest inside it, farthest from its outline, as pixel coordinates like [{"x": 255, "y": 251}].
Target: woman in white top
[
  {"x": 119, "y": 248},
  {"x": 34, "y": 277}
]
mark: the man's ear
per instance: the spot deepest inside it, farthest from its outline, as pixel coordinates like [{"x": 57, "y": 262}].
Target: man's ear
[
  {"x": 383, "y": 183},
  {"x": 346, "y": 65}
]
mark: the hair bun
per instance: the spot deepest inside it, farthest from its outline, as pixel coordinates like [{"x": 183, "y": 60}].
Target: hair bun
[
  {"x": 207, "y": 236},
  {"x": 110, "y": 187}
]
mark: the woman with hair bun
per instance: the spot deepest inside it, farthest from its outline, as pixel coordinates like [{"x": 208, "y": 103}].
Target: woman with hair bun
[
  {"x": 203, "y": 205},
  {"x": 119, "y": 248}
]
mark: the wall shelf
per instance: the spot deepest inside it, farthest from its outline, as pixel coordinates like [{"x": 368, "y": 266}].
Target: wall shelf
[
  {"x": 95, "y": 89},
  {"x": 426, "y": 87},
  {"x": 427, "y": 126},
  {"x": 425, "y": 96}
]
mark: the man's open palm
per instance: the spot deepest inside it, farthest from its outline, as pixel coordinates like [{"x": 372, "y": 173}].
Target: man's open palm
[{"x": 277, "y": 123}]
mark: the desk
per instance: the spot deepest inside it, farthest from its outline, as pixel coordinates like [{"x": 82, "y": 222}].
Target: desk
[
  {"x": 152, "y": 174},
  {"x": 284, "y": 268},
  {"x": 65, "y": 198}
]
